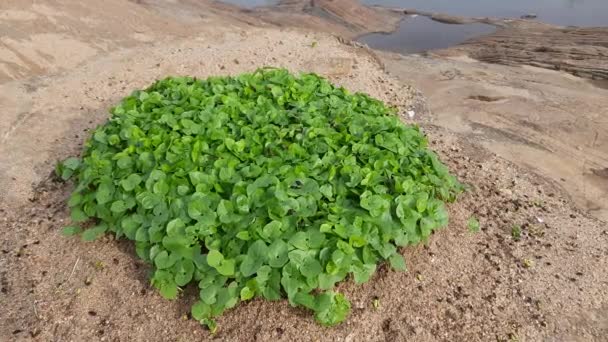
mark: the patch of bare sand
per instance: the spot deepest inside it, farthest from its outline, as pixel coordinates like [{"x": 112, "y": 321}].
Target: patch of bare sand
[
  {"x": 551, "y": 284},
  {"x": 52, "y": 36},
  {"x": 551, "y": 122}
]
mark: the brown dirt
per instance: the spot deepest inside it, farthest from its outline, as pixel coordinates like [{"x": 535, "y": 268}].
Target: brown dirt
[{"x": 551, "y": 284}]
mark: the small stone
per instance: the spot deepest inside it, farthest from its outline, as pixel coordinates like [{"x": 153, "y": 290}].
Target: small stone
[{"x": 506, "y": 192}]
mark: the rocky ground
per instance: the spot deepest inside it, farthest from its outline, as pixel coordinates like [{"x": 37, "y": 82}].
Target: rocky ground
[{"x": 529, "y": 142}]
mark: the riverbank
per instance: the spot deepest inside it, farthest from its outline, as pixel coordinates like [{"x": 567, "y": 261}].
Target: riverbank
[{"x": 517, "y": 135}]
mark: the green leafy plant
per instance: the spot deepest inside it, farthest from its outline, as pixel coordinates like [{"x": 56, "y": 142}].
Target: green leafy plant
[
  {"x": 516, "y": 232},
  {"x": 260, "y": 185},
  {"x": 473, "y": 224},
  {"x": 65, "y": 169}
]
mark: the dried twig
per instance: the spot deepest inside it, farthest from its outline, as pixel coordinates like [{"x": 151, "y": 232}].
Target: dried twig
[
  {"x": 73, "y": 269},
  {"x": 36, "y": 311}
]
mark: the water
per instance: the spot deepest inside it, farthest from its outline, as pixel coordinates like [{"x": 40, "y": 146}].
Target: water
[
  {"x": 421, "y": 34},
  {"x": 558, "y": 12}
]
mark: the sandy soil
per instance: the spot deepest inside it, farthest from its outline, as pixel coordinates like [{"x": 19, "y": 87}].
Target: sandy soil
[
  {"x": 551, "y": 284},
  {"x": 550, "y": 122}
]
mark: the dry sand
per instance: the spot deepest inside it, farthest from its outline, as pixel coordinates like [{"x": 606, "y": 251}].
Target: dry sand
[{"x": 64, "y": 64}]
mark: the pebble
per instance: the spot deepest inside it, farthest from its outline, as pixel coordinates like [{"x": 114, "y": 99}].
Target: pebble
[{"x": 506, "y": 192}]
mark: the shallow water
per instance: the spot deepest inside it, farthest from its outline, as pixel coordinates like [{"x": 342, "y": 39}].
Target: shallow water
[
  {"x": 558, "y": 12},
  {"x": 417, "y": 34},
  {"x": 421, "y": 34}
]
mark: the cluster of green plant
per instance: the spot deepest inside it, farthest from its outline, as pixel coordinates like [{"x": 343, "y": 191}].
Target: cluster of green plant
[
  {"x": 473, "y": 224},
  {"x": 516, "y": 232},
  {"x": 261, "y": 185}
]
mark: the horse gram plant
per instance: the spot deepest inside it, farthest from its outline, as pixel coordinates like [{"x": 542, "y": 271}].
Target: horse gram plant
[{"x": 265, "y": 185}]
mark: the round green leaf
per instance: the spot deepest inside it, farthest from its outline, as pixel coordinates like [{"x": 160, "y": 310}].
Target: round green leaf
[
  {"x": 118, "y": 206},
  {"x": 226, "y": 267},
  {"x": 91, "y": 234},
  {"x": 200, "y": 311},
  {"x": 277, "y": 254},
  {"x": 71, "y": 230},
  {"x": 397, "y": 262},
  {"x": 163, "y": 260},
  {"x": 184, "y": 269},
  {"x": 247, "y": 293},
  {"x": 214, "y": 258}
]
